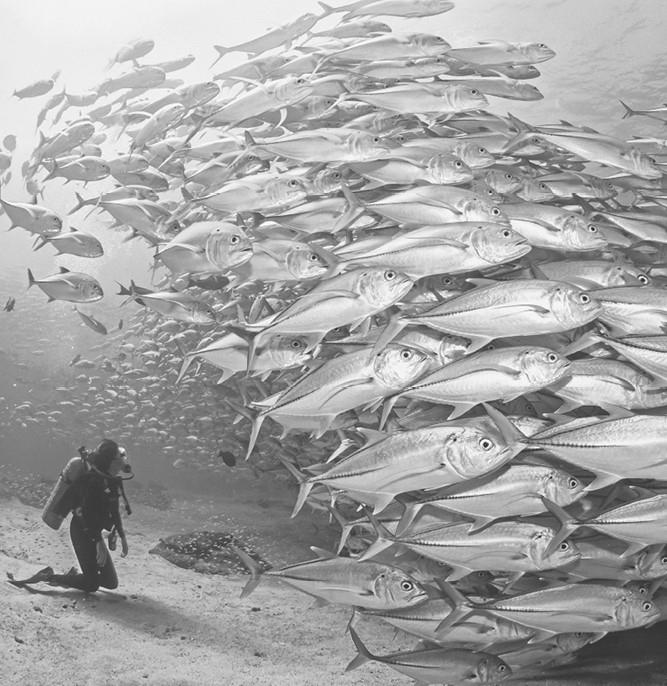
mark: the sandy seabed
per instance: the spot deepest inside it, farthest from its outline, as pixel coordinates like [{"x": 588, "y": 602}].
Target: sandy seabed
[{"x": 169, "y": 626}]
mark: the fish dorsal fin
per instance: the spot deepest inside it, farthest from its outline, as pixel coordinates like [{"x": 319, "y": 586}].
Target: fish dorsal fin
[
  {"x": 371, "y": 436},
  {"x": 616, "y": 412},
  {"x": 321, "y": 552}
]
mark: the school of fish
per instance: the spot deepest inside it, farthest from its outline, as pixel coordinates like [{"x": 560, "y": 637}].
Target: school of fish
[{"x": 458, "y": 321}]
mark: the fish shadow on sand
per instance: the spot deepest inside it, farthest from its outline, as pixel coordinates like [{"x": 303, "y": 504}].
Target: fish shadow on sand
[{"x": 155, "y": 617}]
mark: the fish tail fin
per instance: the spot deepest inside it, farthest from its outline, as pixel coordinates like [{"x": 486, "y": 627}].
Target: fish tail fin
[
  {"x": 240, "y": 411},
  {"x": 253, "y": 346},
  {"x": 222, "y": 51},
  {"x": 31, "y": 279},
  {"x": 509, "y": 431},
  {"x": 257, "y": 421},
  {"x": 40, "y": 243},
  {"x": 81, "y": 202},
  {"x": 520, "y": 125},
  {"x": 305, "y": 485},
  {"x": 363, "y": 655},
  {"x": 345, "y": 527},
  {"x": 187, "y": 361},
  {"x": 462, "y": 606},
  {"x": 252, "y": 567},
  {"x": 628, "y": 111},
  {"x": 387, "y": 408},
  {"x": 586, "y": 340},
  {"x": 53, "y": 171},
  {"x": 384, "y": 540},
  {"x": 409, "y": 515},
  {"x": 327, "y": 8},
  {"x": 124, "y": 290},
  {"x": 568, "y": 525},
  {"x": 394, "y": 326}
]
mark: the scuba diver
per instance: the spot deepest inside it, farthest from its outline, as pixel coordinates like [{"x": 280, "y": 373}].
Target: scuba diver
[{"x": 90, "y": 487}]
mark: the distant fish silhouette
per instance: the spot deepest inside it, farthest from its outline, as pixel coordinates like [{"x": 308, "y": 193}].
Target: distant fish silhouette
[
  {"x": 228, "y": 458},
  {"x": 9, "y": 305}
]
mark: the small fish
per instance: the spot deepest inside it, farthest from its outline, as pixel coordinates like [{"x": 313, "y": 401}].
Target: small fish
[
  {"x": 343, "y": 580},
  {"x": 91, "y": 322},
  {"x": 37, "y": 88},
  {"x": 132, "y": 51},
  {"x": 9, "y": 305},
  {"x": 70, "y": 286},
  {"x": 437, "y": 665},
  {"x": 228, "y": 458}
]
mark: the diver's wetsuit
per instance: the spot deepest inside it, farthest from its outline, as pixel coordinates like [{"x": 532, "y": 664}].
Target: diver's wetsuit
[{"x": 94, "y": 501}]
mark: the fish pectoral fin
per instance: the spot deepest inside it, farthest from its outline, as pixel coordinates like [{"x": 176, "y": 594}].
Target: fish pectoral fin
[
  {"x": 322, "y": 552},
  {"x": 479, "y": 523},
  {"x": 436, "y": 241},
  {"x": 341, "y": 389}
]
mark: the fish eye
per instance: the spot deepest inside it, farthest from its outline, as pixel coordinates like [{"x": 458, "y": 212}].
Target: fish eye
[
  {"x": 458, "y": 165},
  {"x": 300, "y": 82},
  {"x": 643, "y": 279},
  {"x": 407, "y": 585},
  {"x": 474, "y": 91},
  {"x": 502, "y": 668},
  {"x": 293, "y": 183},
  {"x": 535, "y": 140},
  {"x": 564, "y": 546},
  {"x": 235, "y": 239},
  {"x": 509, "y": 177},
  {"x": 406, "y": 354},
  {"x": 647, "y": 606},
  {"x": 552, "y": 357},
  {"x": 506, "y": 233},
  {"x": 313, "y": 257},
  {"x": 481, "y": 151},
  {"x": 543, "y": 187},
  {"x": 296, "y": 344},
  {"x": 652, "y": 160},
  {"x": 663, "y": 560},
  {"x": 447, "y": 281},
  {"x": 486, "y": 444},
  {"x": 376, "y": 139},
  {"x": 390, "y": 275},
  {"x": 584, "y": 298},
  {"x": 541, "y": 45},
  {"x": 592, "y": 228},
  {"x": 495, "y": 212},
  {"x": 572, "y": 483}
]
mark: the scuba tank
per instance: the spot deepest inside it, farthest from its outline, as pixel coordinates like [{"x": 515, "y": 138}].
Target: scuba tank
[{"x": 57, "y": 506}]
